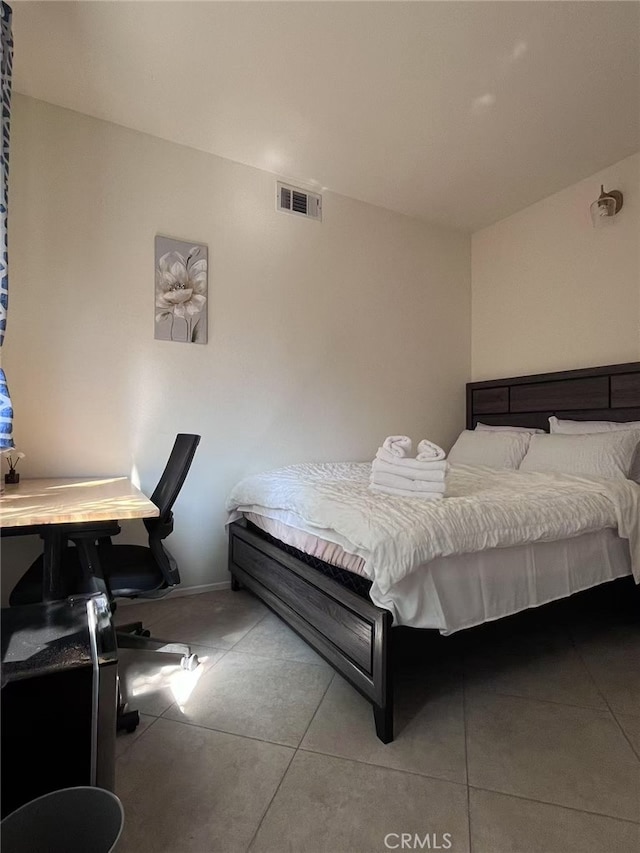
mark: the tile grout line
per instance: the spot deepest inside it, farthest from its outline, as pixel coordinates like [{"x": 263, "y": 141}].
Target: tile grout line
[
  {"x": 469, "y": 786},
  {"x": 556, "y": 805},
  {"x": 268, "y": 806},
  {"x": 313, "y": 716},
  {"x": 224, "y": 732},
  {"x": 135, "y": 739},
  {"x": 606, "y": 701},
  {"x": 321, "y": 665},
  {"x": 607, "y": 710},
  {"x": 487, "y": 692},
  {"x": 246, "y": 633},
  {"x": 223, "y": 654},
  {"x": 268, "y": 612},
  {"x": 301, "y": 748},
  {"x": 567, "y": 639},
  {"x": 383, "y": 767},
  {"x": 275, "y": 793}
]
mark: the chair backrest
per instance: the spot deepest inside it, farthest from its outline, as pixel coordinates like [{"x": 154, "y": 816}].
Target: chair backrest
[
  {"x": 175, "y": 473},
  {"x": 164, "y": 496}
]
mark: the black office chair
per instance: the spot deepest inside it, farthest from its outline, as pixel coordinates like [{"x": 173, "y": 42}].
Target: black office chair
[{"x": 125, "y": 571}]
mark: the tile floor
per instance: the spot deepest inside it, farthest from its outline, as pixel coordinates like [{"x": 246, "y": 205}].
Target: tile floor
[{"x": 519, "y": 737}]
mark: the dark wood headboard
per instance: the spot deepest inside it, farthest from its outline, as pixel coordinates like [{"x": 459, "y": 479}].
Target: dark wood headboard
[{"x": 609, "y": 393}]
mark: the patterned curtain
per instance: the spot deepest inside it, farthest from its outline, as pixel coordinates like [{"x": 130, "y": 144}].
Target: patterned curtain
[{"x": 6, "y": 60}]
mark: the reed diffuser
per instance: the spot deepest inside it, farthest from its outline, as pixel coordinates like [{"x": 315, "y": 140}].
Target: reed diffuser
[{"x": 13, "y": 457}]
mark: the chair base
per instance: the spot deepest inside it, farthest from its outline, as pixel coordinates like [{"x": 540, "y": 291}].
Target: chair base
[
  {"x": 133, "y": 635},
  {"x": 179, "y": 653}
]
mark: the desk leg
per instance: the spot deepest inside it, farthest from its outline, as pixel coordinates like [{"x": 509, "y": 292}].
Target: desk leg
[
  {"x": 51, "y": 586},
  {"x": 90, "y": 562}
]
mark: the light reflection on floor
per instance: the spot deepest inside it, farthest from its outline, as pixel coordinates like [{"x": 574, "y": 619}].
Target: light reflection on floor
[{"x": 178, "y": 681}]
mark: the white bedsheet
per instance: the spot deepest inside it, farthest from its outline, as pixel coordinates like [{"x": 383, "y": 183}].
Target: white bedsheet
[
  {"x": 483, "y": 508},
  {"x": 462, "y": 590}
]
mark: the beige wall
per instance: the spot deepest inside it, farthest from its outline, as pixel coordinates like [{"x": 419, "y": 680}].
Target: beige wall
[
  {"x": 323, "y": 338},
  {"x": 551, "y": 292}
]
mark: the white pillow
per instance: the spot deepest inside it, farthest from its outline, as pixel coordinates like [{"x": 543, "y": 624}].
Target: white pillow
[
  {"x": 493, "y": 449},
  {"x": 604, "y": 454},
  {"x": 581, "y": 427},
  {"x": 488, "y": 428}
]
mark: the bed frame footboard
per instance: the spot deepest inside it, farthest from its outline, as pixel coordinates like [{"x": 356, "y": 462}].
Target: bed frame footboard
[{"x": 349, "y": 632}]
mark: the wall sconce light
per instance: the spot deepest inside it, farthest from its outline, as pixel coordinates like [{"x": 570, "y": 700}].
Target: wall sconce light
[{"x": 606, "y": 206}]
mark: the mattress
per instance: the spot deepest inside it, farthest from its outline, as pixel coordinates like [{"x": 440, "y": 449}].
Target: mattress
[
  {"x": 308, "y": 543},
  {"x": 459, "y": 591},
  {"x": 482, "y": 509}
]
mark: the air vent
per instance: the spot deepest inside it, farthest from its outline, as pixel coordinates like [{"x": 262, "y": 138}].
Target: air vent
[{"x": 298, "y": 201}]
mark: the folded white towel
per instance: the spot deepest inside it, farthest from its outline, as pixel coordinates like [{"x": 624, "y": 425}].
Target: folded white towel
[
  {"x": 411, "y": 464},
  {"x": 429, "y": 472},
  {"x": 429, "y": 452},
  {"x": 405, "y": 493},
  {"x": 379, "y": 478},
  {"x": 398, "y": 446}
]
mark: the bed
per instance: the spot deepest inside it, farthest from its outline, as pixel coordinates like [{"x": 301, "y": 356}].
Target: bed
[{"x": 322, "y": 591}]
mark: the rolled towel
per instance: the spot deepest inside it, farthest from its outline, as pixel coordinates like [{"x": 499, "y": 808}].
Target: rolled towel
[
  {"x": 398, "y": 446},
  {"x": 430, "y": 472},
  {"x": 429, "y": 452},
  {"x": 411, "y": 464},
  {"x": 380, "y": 479},
  {"x": 405, "y": 493}
]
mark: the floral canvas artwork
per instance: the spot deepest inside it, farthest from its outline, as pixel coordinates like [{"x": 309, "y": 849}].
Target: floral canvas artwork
[{"x": 181, "y": 291}]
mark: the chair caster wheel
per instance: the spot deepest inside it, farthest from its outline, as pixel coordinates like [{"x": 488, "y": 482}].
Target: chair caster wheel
[
  {"x": 128, "y": 721},
  {"x": 190, "y": 662},
  {"x": 145, "y": 633}
]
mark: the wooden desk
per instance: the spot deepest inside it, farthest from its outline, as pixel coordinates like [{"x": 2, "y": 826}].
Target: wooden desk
[{"x": 48, "y": 506}]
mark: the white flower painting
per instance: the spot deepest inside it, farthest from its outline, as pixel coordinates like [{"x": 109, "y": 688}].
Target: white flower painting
[{"x": 181, "y": 291}]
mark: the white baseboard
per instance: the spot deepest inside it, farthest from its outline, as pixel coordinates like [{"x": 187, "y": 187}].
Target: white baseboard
[
  {"x": 180, "y": 591},
  {"x": 196, "y": 590}
]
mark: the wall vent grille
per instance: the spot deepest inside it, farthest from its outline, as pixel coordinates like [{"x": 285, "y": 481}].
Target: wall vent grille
[{"x": 297, "y": 201}]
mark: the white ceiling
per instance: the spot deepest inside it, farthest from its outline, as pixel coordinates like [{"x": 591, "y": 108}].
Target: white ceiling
[{"x": 461, "y": 113}]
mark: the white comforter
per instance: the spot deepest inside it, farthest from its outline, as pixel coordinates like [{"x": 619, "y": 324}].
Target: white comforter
[{"x": 483, "y": 508}]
